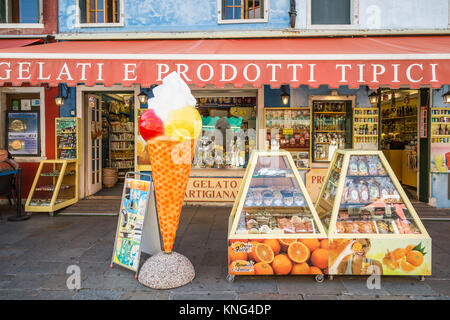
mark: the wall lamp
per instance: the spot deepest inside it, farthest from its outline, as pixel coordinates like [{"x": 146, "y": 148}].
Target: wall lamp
[
  {"x": 63, "y": 94},
  {"x": 284, "y": 95}
]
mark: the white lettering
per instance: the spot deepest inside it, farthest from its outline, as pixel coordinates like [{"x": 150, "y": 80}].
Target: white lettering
[
  {"x": 65, "y": 71},
  {"x": 343, "y": 70},
  {"x": 7, "y": 71},
  {"x": 160, "y": 71},
  {"x": 294, "y": 70},
  {"x": 224, "y": 66},
  {"x": 185, "y": 69},
  {"x": 245, "y": 71},
  {"x": 311, "y": 72},
  {"x": 199, "y": 71},
  {"x": 23, "y": 71},
  {"x": 100, "y": 72},
  {"x": 41, "y": 76},
  {"x": 395, "y": 73},
  {"x": 127, "y": 71},
  {"x": 274, "y": 70},
  {"x": 433, "y": 72},
  {"x": 361, "y": 72},
  {"x": 378, "y": 69},
  {"x": 408, "y": 72},
  {"x": 83, "y": 69}
]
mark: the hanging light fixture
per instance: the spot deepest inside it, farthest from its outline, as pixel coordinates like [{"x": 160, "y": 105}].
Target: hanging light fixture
[
  {"x": 373, "y": 98},
  {"x": 446, "y": 97},
  {"x": 284, "y": 95},
  {"x": 143, "y": 97},
  {"x": 60, "y": 98}
]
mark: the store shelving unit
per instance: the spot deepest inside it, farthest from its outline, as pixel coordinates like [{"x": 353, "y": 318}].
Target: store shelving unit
[
  {"x": 121, "y": 143},
  {"x": 371, "y": 224},
  {"x": 291, "y": 127},
  {"x": 55, "y": 186},
  {"x": 440, "y": 125},
  {"x": 365, "y": 128},
  {"x": 329, "y": 130},
  {"x": 67, "y": 138},
  {"x": 273, "y": 221}
]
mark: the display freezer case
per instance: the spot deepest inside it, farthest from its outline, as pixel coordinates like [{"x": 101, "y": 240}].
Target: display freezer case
[
  {"x": 371, "y": 224},
  {"x": 273, "y": 226}
]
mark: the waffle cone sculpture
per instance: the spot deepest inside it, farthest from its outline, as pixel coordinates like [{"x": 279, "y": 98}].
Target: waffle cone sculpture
[{"x": 171, "y": 165}]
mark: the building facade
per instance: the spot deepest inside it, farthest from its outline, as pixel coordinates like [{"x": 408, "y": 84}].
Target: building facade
[{"x": 119, "y": 20}]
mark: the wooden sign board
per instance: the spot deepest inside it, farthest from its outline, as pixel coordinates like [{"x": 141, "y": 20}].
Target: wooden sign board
[
  {"x": 212, "y": 189},
  {"x": 314, "y": 180}
]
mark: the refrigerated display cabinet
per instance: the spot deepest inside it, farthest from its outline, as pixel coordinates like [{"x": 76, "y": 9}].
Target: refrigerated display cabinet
[
  {"x": 273, "y": 227},
  {"x": 372, "y": 226}
]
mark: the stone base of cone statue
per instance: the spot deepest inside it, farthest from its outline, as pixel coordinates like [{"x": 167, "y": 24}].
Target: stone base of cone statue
[{"x": 166, "y": 271}]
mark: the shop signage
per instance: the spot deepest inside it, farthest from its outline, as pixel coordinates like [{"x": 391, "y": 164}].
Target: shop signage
[
  {"x": 219, "y": 72},
  {"x": 214, "y": 189},
  {"x": 315, "y": 178}
]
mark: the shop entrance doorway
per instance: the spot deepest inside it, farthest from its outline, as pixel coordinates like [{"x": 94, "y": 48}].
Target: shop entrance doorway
[
  {"x": 399, "y": 136},
  {"x": 108, "y": 142}
]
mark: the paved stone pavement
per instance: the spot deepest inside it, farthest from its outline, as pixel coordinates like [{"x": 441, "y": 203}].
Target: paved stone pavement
[{"x": 35, "y": 254}]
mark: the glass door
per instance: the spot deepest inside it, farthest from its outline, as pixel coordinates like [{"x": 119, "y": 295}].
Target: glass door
[{"x": 94, "y": 144}]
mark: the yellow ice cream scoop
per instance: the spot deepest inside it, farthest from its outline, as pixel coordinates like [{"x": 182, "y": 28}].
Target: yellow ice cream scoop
[{"x": 183, "y": 124}]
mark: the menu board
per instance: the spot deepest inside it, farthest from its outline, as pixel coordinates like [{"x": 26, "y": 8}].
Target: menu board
[
  {"x": 127, "y": 247},
  {"x": 22, "y": 132}
]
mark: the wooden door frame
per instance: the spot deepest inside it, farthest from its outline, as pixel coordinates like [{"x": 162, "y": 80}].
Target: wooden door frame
[
  {"x": 89, "y": 145},
  {"x": 81, "y": 112}
]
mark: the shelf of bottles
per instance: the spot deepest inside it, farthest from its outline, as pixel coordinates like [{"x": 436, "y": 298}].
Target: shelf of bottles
[
  {"x": 440, "y": 125},
  {"x": 328, "y": 129},
  {"x": 365, "y": 128},
  {"x": 400, "y": 124},
  {"x": 122, "y": 147},
  {"x": 290, "y": 129}
]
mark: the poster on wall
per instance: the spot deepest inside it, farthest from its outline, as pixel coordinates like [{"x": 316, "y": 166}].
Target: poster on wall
[
  {"x": 130, "y": 228},
  {"x": 22, "y": 132},
  {"x": 440, "y": 158}
]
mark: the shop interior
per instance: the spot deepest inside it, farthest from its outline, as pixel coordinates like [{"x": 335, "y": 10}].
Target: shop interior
[{"x": 111, "y": 129}]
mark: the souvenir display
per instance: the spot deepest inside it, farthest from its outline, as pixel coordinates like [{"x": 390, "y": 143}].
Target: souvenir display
[
  {"x": 329, "y": 128},
  {"x": 121, "y": 147},
  {"x": 290, "y": 129},
  {"x": 55, "y": 186},
  {"x": 365, "y": 128},
  {"x": 368, "y": 216},
  {"x": 67, "y": 138},
  {"x": 228, "y": 132},
  {"x": 274, "y": 228}
]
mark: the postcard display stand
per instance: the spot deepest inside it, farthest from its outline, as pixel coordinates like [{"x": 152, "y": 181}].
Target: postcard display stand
[
  {"x": 55, "y": 186},
  {"x": 273, "y": 226},
  {"x": 372, "y": 226},
  {"x": 137, "y": 228}
]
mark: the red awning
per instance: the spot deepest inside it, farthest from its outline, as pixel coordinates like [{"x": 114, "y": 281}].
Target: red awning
[
  {"x": 373, "y": 61},
  {"x": 13, "y": 43}
]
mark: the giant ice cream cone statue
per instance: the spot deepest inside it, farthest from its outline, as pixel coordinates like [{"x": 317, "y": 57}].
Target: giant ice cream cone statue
[{"x": 170, "y": 126}]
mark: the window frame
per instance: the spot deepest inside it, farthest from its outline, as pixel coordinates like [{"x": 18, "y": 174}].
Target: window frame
[
  {"x": 79, "y": 24},
  {"x": 18, "y": 90},
  {"x": 27, "y": 25},
  {"x": 220, "y": 20},
  {"x": 354, "y": 18}
]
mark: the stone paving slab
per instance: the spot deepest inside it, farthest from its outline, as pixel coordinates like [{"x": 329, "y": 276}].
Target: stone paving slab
[{"x": 35, "y": 254}]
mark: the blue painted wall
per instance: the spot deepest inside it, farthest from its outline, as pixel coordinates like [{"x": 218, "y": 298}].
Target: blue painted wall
[
  {"x": 201, "y": 15},
  {"x": 172, "y": 15},
  {"x": 439, "y": 181}
]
